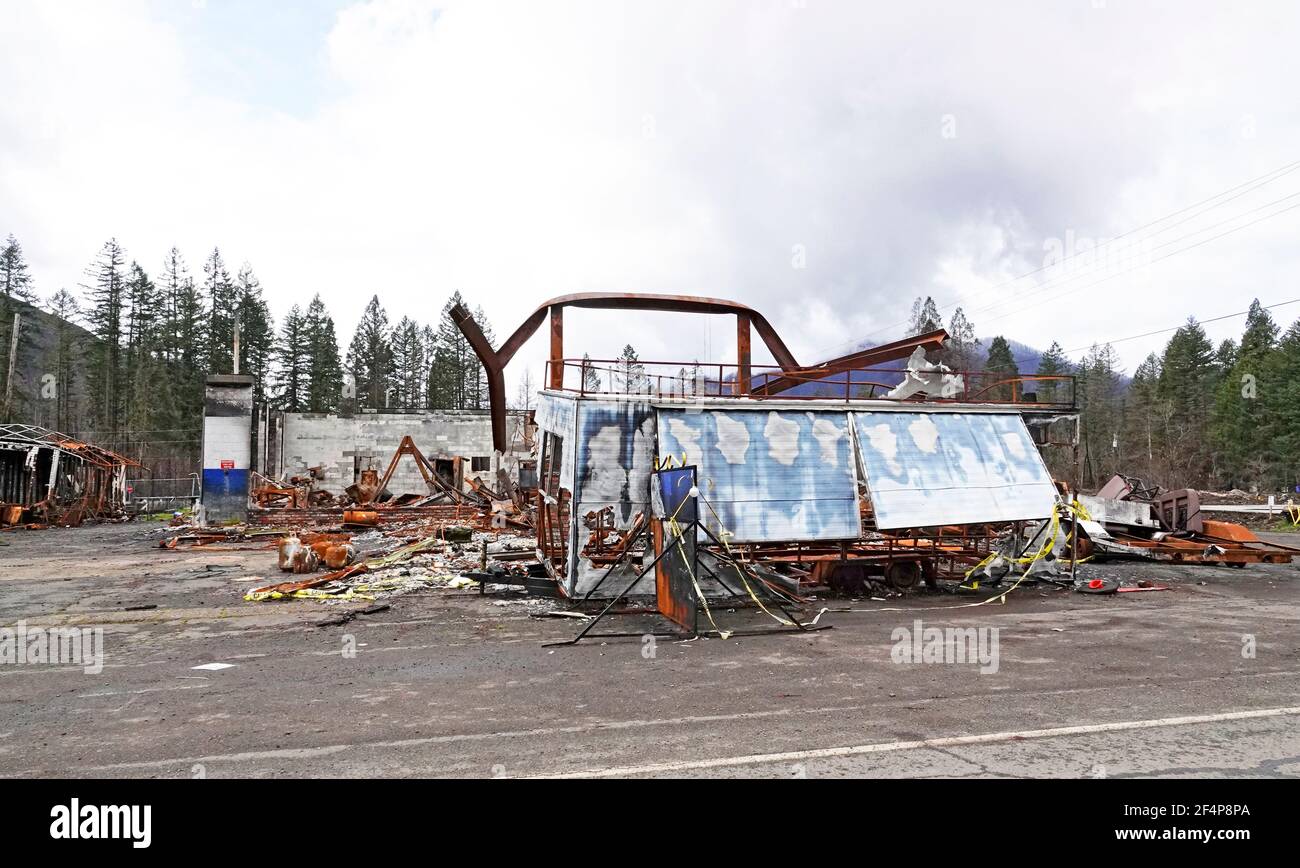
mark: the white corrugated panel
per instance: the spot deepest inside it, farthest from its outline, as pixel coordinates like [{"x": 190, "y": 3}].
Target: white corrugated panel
[
  {"x": 559, "y": 416},
  {"x": 927, "y": 469},
  {"x": 770, "y": 476}
]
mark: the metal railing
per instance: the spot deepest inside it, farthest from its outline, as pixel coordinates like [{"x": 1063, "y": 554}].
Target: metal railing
[
  {"x": 157, "y": 495},
  {"x": 678, "y": 380}
]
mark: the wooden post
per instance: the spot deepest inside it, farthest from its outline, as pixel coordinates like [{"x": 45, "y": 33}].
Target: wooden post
[
  {"x": 557, "y": 347},
  {"x": 742, "y": 354},
  {"x": 13, "y": 361}
]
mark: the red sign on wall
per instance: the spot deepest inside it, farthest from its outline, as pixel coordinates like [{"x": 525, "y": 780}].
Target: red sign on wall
[{"x": 227, "y": 464}]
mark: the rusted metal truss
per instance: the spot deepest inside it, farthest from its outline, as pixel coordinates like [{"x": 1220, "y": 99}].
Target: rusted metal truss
[{"x": 50, "y": 478}]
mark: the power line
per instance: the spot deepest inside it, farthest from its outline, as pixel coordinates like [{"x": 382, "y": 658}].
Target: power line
[
  {"x": 1169, "y": 329},
  {"x": 1180, "y": 250},
  {"x": 1260, "y": 181},
  {"x": 1062, "y": 281}
]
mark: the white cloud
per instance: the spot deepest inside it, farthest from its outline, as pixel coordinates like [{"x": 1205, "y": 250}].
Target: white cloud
[{"x": 516, "y": 151}]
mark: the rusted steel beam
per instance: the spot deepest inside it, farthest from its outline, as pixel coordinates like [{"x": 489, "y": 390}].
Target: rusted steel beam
[
  {"x": 495, "y": 367},
  {"x": 495, "y": 361},
  {"x": 649, "y": 301},
  {"x": 557, "y": 348},
  {"x": 742, "y": 354},
  {"x": 890, "y": 352}
]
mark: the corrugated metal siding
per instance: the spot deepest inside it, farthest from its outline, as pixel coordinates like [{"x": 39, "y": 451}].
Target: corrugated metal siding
[
  {"x": 616, "y": 448},
  {"x": 926, "y": 469},
  {"x": 559, "y": 416},
  {"x": 771, "y": 476}
]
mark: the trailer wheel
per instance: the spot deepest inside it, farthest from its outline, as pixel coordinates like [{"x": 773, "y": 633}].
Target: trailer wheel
[{"x": 903, "y": 574}]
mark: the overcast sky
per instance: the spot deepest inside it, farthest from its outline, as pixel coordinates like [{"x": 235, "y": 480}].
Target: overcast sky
[{"x": 823, "y": 161}]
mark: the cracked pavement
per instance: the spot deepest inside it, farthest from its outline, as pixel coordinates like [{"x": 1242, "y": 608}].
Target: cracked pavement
[{"x": 453, "y": 684}]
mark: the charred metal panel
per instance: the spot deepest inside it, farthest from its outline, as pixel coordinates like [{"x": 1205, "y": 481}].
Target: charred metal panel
[
  {"x": 613, "y": 462},
  {"x": 770, "y": 476},
  {"x": 559, "y": 416},
  {"x": 928, "y": 469}
]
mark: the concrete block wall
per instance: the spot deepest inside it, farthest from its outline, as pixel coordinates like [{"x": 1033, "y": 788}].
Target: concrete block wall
[{"x": 345, "y": 445}]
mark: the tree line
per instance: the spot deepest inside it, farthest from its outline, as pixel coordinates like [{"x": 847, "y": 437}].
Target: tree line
[
  {"x": 140, "y": 380},
  {"x": 1193, "y": 415}
]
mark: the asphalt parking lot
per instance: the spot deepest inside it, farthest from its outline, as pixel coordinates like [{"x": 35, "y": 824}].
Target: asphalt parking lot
[{"x": 1202, "y": 680}]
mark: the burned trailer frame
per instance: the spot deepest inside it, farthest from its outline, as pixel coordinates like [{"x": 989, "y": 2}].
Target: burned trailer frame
[
  {"x": 783, "y": 483},
  {"x": 600, "y": 445},
  {"x": 50, "y": 478}
]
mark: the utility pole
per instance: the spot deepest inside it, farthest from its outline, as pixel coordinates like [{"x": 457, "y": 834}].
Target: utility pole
[
  {"x": 236, "y": 370},
  {"x": 13, "y": 363}
]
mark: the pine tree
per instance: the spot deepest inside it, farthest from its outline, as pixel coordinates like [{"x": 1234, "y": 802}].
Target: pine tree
[
  {"x": 145, "y": 385},
  {"x": 1099, "y": 389},
  {"x": 590, "y": 376},
  {"x": 1001, "y": 365},
  {"x": 106, "y": 299},
  {"x": 184, "y": 347},
  {"x": 256, "y": 335},
  {"x": 408, "y": 364},
  {"x": 457, "y": 379},
  {"x": 1053, "y": 363},
  {"x": 1282, "y": 405},
  {"x": 1188, "y": 380},
  {"x": 15, "y": 282},
  {"x": 370, "y": 357},
  {"x": 1241, "y": 429},
  {"x": 292, "y": 360},
  {"x": 630, "y": 377},
  {"x": 476, "y": 375},
  {"x": 15, "y": 293},
  {"x": 324, "y": 369},
  {"x": 67, "y": 355},
  {"x": 219, "y": 297},
  {"x": 1143, "y": 423},
  {"x": 925, "y": 316},
  {"x": 433, "y": 388},
  {"x": 961, "y": 351}
]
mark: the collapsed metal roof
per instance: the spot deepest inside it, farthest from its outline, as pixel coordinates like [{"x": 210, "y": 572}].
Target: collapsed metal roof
[{"x": 14, "y": 435}]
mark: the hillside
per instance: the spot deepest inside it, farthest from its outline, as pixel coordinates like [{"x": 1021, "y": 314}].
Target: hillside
[{"x": 37, "y": 357}]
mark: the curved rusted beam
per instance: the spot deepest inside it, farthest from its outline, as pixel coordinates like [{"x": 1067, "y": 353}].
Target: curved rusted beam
[
  {"x": 496, "y": 372},
  {"x": 495, "y": 361},
  {"x": 650, "y": 301}
]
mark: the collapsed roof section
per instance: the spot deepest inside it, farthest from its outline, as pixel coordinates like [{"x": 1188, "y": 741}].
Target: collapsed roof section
[{"x": 51, "y": 478}]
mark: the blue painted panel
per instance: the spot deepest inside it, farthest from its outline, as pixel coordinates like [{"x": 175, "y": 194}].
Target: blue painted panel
[
  {"x": 616, "y": 447},
  {"x": 770, "y": 476},
  {"x": 225, "y": 483},
  {"x": 927, "y": 469}
]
